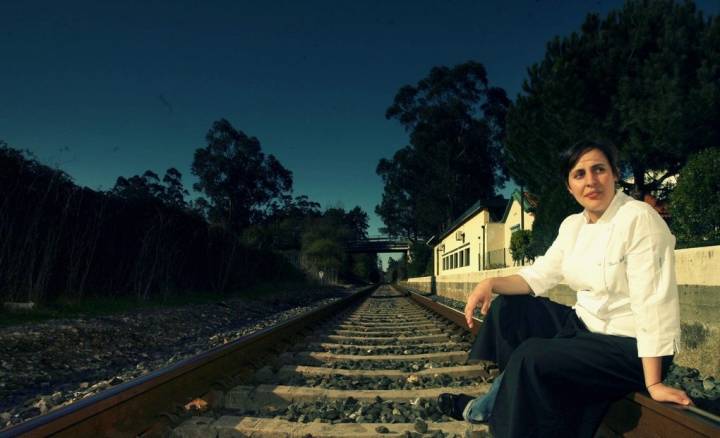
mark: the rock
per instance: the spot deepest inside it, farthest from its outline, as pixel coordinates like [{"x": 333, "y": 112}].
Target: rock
[
  {"x": 382, "y": 429},
  {"x": 264, "y": 375},
  {"x": 421, "y": 426},
  {"x": 709, "y": 384},
  {"x": 42, "y": 405}
]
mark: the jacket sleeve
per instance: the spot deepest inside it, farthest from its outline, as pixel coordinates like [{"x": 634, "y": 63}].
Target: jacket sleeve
[
  {"x": 546, "y": 272},
  {"x": 652, "y": 286}
]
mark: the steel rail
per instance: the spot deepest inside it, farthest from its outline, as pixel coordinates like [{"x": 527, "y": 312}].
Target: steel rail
[
  {"x": 636, "y": 415},
  {"x": 134, "y": 407}
]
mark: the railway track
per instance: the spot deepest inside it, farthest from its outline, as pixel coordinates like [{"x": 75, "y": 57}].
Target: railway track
[
  {"x": 369, "y": 365},
  {"x": 376, "y": 369}
]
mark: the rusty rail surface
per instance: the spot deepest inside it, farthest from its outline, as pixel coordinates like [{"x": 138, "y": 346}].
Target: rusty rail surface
[
  {"x": 134, "y": 407},
  {"x": 636, "y": 415}
]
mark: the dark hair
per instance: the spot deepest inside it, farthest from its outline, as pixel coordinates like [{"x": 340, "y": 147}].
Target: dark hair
[{"x": 570, "y": 156}]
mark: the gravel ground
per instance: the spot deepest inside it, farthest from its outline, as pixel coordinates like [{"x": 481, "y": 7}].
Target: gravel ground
[
  {"x": 398, "y": 350},
  {"x": 50, "y": 364},
  {"x": 350, "y": 410},
  {"x": 704, "y": 390},
  {"x": 384, "y": 383}
]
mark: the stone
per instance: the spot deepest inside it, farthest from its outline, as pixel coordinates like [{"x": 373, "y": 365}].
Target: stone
[
  {"x": 382, "y": 429},
  {"x": 708, "y": 384},
  {"x": 195, "y": 427},
  {"x": 264, "y": 375},
  {"x": 42, "y": 405},
  {"x": 421, "y": 426}
]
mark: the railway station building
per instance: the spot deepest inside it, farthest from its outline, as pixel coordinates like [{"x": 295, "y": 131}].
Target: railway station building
[{"x": 480, "y": 238}]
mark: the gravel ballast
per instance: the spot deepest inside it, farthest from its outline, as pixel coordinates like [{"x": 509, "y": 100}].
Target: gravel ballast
[{"x": 47, "y": 365}]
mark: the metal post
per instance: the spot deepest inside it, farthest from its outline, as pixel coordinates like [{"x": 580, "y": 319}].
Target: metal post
[
  {"x": 483, "y": 247},
  {"x": 522, "y": 209}
]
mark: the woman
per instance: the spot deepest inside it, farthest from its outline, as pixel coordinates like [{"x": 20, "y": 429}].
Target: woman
[{"x": 561, "y": 366}]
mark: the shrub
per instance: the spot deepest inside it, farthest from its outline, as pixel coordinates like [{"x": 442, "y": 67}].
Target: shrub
[{"x": 695, "y": 202}]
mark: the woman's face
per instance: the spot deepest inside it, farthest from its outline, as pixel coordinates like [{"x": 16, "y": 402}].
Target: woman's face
[{"x": 592, "y": 183}]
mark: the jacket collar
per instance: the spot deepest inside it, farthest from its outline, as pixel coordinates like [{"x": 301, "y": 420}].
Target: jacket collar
[{"x": 619, "y": 199}]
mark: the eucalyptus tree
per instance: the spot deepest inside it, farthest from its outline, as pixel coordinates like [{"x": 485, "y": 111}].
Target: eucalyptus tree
[
  {"x": 455, "y": 121},
  {"x": 242, "y": 184}
]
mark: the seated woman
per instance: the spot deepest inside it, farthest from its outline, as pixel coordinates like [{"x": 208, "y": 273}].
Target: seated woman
[{"x": 562, "y": 367}]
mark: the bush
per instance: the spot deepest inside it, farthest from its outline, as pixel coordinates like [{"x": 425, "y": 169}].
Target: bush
[
  {"x": 695, "y": 202},
  {"x": 520, "y": 246}
]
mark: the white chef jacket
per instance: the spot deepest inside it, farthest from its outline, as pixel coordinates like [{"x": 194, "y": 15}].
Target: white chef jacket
[{"x": 623, "y": 269}]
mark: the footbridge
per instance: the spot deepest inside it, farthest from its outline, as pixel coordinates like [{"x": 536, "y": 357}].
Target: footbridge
[{"x": 379, "y": 244}]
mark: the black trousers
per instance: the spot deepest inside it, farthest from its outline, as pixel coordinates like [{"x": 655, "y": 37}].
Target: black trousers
[{"x": 559, "y": 377}]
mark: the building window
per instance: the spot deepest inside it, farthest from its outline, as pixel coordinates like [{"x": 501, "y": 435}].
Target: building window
[
  {"x": 462, "y": 258},
  {"x": 467, "y": 256},
  {"x": 455, "y": 262}
]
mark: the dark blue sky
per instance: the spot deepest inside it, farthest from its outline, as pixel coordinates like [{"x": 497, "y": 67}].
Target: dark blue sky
[{"x": 103, "y": 90}]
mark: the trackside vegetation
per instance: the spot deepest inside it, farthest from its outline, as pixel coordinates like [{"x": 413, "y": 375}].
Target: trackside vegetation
[{"x": 645, "y": 77}]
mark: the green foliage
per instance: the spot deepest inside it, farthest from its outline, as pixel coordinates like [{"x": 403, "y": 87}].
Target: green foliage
[
  {"x": 520, "y": 245},
  {"x": 645, "y": 78},
  {"x": 421, "y": 260},
  {"x": 323, "y": 245},
  {"x": 171, "y": 192},
  {"x": 243, "y": 185},
  {"x": 325, "y": 253},
  {"x": 695, "y": 202},
  {"x": 640, "y": 78},
  {"x": 283, "y": 229},
  {"x": 456, "y": 123},
  {"x": 396, "y": 270},
  {"x": 59, "y": 241}
]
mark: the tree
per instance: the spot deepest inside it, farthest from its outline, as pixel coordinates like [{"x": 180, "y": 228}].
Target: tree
[
  {"x": 324, "y": 244},
  {"x": 171, "y": 192},
  {"x": 646, "y": 78},
  {"x": 421, "y": 260},
  {"x": 139, "y": 187},
  {"x": 520, "y": 246},
  {"x": 174, "y": 191},
  {"x": 695, "y": 202},
  {"x": 456, "y": 123},
  {"x": 242, "y": 183},
  {"x": 401, "y": 190}
]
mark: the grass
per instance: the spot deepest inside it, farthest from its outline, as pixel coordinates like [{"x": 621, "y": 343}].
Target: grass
[{"x": 100, "y": 306}]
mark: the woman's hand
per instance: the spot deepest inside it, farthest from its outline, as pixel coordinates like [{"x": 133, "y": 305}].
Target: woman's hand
[
  {"x": 480, "y": 297},
  {"x": 663, "y": 393}
]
